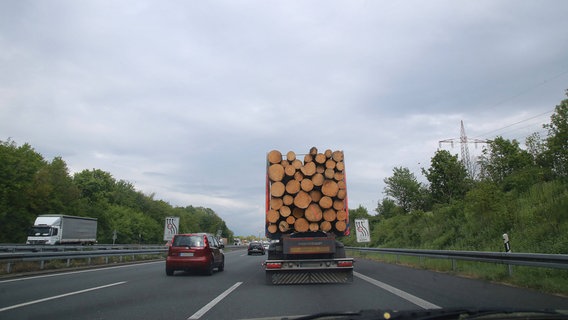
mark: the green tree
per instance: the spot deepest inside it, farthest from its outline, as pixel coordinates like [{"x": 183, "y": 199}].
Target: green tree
[
  {"x": 503, "y": 158},
  {"x": 405, "y": 190},
  {"x": 557, "y": 141},
  {"x": 53, "y": 190},
  {"x": 387, "y": 208},
  {"x": 447, "y": 176},
  {"x": 18, "y": 168}
]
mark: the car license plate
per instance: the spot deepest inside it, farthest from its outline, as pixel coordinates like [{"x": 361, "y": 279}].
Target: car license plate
[{"x": 186, "y": 254}]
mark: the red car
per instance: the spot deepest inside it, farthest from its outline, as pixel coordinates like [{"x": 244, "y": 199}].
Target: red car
[{"x": 195, "y": 251}]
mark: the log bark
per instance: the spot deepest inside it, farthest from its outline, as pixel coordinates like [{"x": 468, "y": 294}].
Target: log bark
[
  {"x": 328, "y": 153},
  {"x": 302, "y": 200},
  {"x": 274, "y": 156},
  {"x": 314, "y": 226},
  {"x": 298, "y": 176},
  {"x": 338, "y": 176},
  {"x": 313, "y": 151},
  {"x": 340, "y": 166},
  {"x": 341, "y": 194}
]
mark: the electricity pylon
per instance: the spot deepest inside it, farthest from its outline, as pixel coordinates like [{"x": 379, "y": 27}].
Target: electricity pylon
[{"x": 464, "y": 141}]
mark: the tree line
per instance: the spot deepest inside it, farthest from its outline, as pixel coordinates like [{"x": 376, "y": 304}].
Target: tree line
[
  {"x": 31, "y": 185},
  {"x": 514, "y": 189}
]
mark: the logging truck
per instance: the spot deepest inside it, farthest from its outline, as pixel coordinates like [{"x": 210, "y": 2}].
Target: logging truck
[{"x": 306, "y": 211}]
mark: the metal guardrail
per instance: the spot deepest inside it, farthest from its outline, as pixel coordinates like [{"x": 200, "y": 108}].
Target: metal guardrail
[
  {"x": 557, "y": 261},
  {"x": 64, "y": 253},
  {"x": 11, "y": 254}
]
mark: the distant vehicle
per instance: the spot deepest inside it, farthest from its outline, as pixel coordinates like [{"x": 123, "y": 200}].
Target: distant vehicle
[
  {"x": 52, "y": 229},
  {"x": 237, "y": 242},
  {"x": 195, "y": 251},
  {"x": 256, "y": 248}
]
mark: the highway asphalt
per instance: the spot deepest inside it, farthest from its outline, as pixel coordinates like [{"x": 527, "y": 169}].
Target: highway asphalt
[{"x": 143, "y": 291}]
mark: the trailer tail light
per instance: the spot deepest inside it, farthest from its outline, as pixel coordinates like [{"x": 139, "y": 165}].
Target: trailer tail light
[
  {"x": 345, "y": 264},
  {"x": 273, "y": 265}
]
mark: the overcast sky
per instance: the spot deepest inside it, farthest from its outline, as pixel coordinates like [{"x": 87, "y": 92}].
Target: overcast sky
[{"x": 185, "y": 98}]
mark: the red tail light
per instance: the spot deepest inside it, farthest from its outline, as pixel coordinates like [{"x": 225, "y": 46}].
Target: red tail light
[
  {"x": 273, "y": 265},
  {"x": 345, "y": 264}
]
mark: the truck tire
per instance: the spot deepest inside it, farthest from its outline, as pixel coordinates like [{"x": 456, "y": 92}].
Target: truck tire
[{"x": 339, "y": 250}]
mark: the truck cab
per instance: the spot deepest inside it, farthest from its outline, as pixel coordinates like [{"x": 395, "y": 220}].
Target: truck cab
[{"x": 45, "y": 231}]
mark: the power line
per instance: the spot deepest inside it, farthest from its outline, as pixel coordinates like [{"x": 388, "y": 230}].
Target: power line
[{"x": 516, "y": 123}]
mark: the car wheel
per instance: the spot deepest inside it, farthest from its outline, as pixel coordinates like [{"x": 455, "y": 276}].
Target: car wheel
[
  {"x": 222, "y": 265},
  {"x": 169, "y": 272},
  {"x": 209, "y": 270}
]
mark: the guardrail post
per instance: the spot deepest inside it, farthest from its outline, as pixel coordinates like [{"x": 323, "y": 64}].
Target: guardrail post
[
  {"x": 454, "y": 265},
  {"x": 89, "y": 261},
  {"x": 68, "y": 262},
  {"x": 9, "y": 267},
  {"x": 41, "y": 264}
]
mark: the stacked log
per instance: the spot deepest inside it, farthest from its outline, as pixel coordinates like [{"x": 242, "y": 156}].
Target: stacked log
[{"x": 308, "y": 195}]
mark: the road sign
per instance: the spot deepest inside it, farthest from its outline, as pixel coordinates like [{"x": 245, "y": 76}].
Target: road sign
[
  {"x": 171, "y": 228},
  {"x": 362, "y": 230}
]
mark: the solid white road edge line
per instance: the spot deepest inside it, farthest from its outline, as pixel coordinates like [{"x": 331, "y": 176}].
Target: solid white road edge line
[
  {"x": 80, "y": 271},
  {"x": 59, "y": 296},
  {"x": 213, "y": 302},
  {"x": 405, "y": 295}
]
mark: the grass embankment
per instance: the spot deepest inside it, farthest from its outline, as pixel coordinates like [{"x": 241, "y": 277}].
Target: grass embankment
[{"x": 553, "y": 281}]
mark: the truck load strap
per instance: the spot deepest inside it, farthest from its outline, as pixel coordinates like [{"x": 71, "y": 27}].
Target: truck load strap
[{"x": 309, "y": 276}]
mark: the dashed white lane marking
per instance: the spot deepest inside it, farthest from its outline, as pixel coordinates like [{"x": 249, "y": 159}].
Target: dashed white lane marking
[
  {"x": 405, "y": 295},
  {"x": 59, "y": 296},
  {"x": 213, "y": 302}
]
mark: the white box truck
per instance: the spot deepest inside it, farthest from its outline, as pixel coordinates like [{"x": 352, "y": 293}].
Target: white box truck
[{"x": 63, "y": 229}]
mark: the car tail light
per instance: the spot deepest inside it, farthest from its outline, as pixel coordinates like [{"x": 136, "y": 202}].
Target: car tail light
[
  {"x": 273, "y": 265},
  {"x": 345, "y": 264}
]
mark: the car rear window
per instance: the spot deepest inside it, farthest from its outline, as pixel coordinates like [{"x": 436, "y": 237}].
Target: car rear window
[{"x": 188, "y": 241}]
